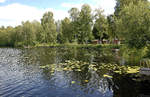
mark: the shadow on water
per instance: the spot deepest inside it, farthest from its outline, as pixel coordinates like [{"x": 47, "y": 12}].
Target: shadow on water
[
  {"x": 129, "y": 86},
  {"x": 20, "y": 74}
]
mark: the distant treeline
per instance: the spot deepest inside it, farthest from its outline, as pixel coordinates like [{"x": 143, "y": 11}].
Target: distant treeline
[{"x": 130, "y": 22}]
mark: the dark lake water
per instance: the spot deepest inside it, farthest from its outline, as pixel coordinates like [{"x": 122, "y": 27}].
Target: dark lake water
[{"x": 20, "y": 75}]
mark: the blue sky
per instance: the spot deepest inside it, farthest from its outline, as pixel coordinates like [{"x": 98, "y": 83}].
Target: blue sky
[
  {"x": 45, "y": 3},
  {"x": 15, "y": 11}
]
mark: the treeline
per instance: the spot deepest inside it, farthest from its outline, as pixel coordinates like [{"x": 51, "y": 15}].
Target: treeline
[{"x": 130, "y": 22}]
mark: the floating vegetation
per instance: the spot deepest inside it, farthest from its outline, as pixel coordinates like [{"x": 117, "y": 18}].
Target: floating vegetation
[
  {"x": 73, "y": 82},
  {"x": 79, "y": 66},
  {"x": 107, "y": 76},
  {"x": 120, "y": 69},
  {"x": 46, "y": 66},
  {"x": 69, "y": 65},
  {"x": 134, "y": 69},
  {"x": 86, "y": 81}
]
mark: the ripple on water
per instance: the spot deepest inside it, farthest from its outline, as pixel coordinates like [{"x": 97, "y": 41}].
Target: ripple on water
[{"x": 20, "y": 76}]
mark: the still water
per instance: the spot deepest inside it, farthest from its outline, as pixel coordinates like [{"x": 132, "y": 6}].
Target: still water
[{"x": 21, "y": 75}]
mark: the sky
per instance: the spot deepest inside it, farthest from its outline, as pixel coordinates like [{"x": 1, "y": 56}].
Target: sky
[{"x": 13, "y": 12}]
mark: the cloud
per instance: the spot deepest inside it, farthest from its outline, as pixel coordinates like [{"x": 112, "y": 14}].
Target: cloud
[
  {"x": 71, "y": 5},
  {"x": 2, "y": 1},
  {"x": 13, "y": 14},
  {"x": 107, "y": 5},
  {"x": 58, "y": 14}
]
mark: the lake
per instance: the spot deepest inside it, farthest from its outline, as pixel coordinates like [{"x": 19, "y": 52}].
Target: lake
[{"x": 21, "y": 75}]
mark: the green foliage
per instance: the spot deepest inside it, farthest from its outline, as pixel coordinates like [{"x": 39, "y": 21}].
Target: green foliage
[
  {"x": 134, "y": 23},
  {"x": 77, "y": 29},
  {"x": 74, "y": 16},
  {"x": 81, "y": 24},
  {"x": 85, "y": 24},
  {"x": 68, "y": 65},
  {"x": 66, "y": 35},
  {"x": 121, "y": 4},
  {"x": 101, "y": 25},
  {"x": 145, "y": 62},
  {"x": 37, "y": 31},
  {"x": 49, "y": 34},
  {"x": 79, "y": 66},
  {"x": 7, "y": 36},
  {"x": 133, "y": 55},
  {"x": 120, "y": 69},
  {"x": 111, "y": 19},
  {"x": 28, "y": 34},
  {"x": 130, "y": 22}
]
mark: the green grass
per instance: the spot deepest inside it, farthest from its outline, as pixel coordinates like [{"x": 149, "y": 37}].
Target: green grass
[{"x": 80, "y": 45}]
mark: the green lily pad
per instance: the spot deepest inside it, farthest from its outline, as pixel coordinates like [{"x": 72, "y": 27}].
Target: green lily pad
[
  {"x": 107, "y": 76},
  {"x": 73, "y": 82}
]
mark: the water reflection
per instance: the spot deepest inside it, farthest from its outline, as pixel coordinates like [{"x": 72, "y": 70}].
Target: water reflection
[
  {"x": 129, "y": 87},
  {"x": 21, "y": 75}
]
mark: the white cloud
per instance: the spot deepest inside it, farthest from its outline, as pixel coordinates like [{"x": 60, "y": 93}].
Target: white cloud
[
  {"x": 2, "y": 1},
  {"x": 71, "y": 5},
  {"x": 107, "y": 5},
  {"x": 58, "y": 14},
  {"x": 13, "y": 14}
]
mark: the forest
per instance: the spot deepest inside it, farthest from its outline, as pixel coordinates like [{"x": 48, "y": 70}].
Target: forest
[{"x": 130, "y": 22}]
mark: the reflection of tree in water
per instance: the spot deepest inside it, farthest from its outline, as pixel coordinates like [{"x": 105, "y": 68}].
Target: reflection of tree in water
[
  {"x": 106, "y": 55},
  {"x": 71, "y": 53},
  {"x": 94, "y": 83},
  {"x": 127, "y": 87},
  {"x": 44, "y": 56}
]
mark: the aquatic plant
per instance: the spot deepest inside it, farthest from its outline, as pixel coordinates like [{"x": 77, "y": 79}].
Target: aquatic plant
[
  {"x": 120, "y": 69},
  {"x": 79, "y": 66}
]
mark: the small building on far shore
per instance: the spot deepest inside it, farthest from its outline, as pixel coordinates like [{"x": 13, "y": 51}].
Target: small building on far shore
[
  {"x": 116, "y": 41},
  {"x": 106, "y": 41}
]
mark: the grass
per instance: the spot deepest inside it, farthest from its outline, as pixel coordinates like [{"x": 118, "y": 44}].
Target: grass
[{"x": 80, "y": 45}]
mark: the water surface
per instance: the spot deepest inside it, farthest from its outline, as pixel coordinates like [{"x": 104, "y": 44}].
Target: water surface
[{"x": 20, "y": 75}]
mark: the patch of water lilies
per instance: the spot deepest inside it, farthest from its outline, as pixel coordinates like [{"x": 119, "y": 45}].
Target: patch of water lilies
[
  {"x": 121, "y": 69},
  {"x": 69, "y": 65},
  {"x": 73, "y": 65}
]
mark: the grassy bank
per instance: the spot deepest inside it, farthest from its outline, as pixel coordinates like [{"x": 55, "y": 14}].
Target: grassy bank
[{"x": 81, "y": 45}]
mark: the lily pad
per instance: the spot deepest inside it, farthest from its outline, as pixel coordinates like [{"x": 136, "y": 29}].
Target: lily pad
[
  {"x": 107, "y": 76},
  {"x": 73, "y": 82},
  {"x": 86, "y": 81}
]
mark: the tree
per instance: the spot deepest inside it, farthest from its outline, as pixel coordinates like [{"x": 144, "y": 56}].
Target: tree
[
  {"x": 122, "y": 3},
  {"x": 100, "y": 29},
  {"x": 6, "y": 36},
  {"x": 134, "y": 24},
  {"x": 18, "y": 35},
  {"x": 111, "y": 19},
  {"x": 59, "y": 31},
  {"x": 74, "y": 16},
  {"x": 29, "y": 36},
  {"x": 37, "y": 30},
  {"x": 49, "y": 34},
  {"x": 85, "y": 24},
  {"x": 10, "y": 36},
  {"x": 66, "y": 30}
]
